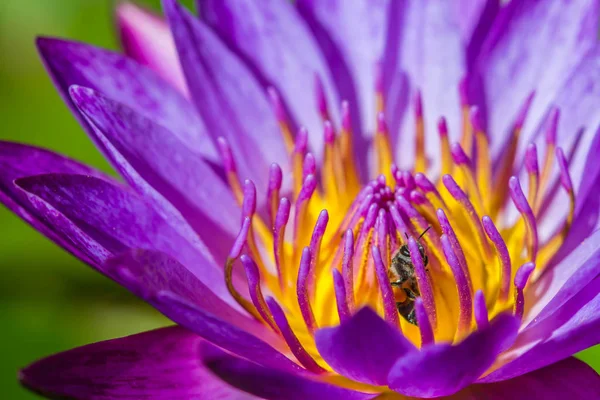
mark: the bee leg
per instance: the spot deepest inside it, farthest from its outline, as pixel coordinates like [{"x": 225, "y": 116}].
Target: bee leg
[
  {"x": 399, "y": 282},
  {"x": 410, "y": 294},
  {"x": 412, "y": 318}
]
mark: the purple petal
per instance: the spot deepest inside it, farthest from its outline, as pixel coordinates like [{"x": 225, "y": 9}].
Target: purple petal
[
  {"x": 587, "y": 190},
  {"x": 18, "y": 161},
  {"x": 578, "y": 100},
  {"x": 444, "y": 369},
  {"x": 562, "y": 315},
  {"x": 587, "y": 219},
  {"x": 514, "y": 60},
  {"x": 570, "y": 378},
  {"x": 272, "y": 384},
  {"x": 424, "y": 41},
  {"x": 277, "y": 43},
  {"x": 564, "y": 280},
  {"x": 574, "y": 327},
  {"x": 221, "y": 333},
  {"x": 475, "y": 18},
  {"x": 227, "y": 96},
  {"x": 364, "y": 348},
  {"x": 160, "y": 364},
  {"x": 126, "y": 81},
  {"x": 102, "y": 219},
  {"x": 157, "y": 164},
  {"x": 352, "y": 36},
  {"x": 147, "y": 39},
  {"x": 147, "y": 272}
]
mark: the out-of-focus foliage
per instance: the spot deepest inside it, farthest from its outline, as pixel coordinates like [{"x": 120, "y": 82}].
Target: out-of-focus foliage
[{"x": 49, "y": 301}]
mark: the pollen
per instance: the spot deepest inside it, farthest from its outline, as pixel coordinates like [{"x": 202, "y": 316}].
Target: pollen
[{"x": 323, "y": 245}]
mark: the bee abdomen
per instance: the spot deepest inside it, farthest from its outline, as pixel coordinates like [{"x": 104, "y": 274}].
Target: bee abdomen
[{"x": 407, "y": 310}]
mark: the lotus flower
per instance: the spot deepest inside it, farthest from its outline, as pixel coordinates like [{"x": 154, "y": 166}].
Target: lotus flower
[{"x": 333, "y": 200}]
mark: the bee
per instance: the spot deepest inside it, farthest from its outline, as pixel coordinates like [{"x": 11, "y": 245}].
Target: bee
[{"x": 404, "y": 281}]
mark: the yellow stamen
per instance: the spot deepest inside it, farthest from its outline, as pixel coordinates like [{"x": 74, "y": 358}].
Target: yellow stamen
[
  {"x": 393, "y": 205},
  {"x": 484, "y": 165},
  {"x": 466, "y": 140},
  {"x": 447, "y": 163}
]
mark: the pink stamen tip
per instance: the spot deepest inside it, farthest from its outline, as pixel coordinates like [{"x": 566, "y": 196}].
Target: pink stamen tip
[
  {"x": 520, "y": 201},
  {"x": 275, "y": 177},
  {"x": 418, "y": 105},
  {"x": 275, "y": 180},
  {"x": 283, "y": 213},
  {"x": 453, "y": 187},
  {"x": 522, "y": 275},
  {"x": 417, "y": 198},
  {"x": 422, "y": 280},
  {"x": 292, "y": 341},
  {"x": 251, "y": 268},
  {"x": 458, "y": 251},
  {"x": 347, "y": 270},
  {"x": 363, "y": 210},
  {"x": 382, "y": 127},
  {"x": 249, "y": 203},
  {"x": 304, "y": 276},
  {"x": 387, "y": 295},
  {"x": 563, "y": 165},
  {"x": 301, "y": 141},
  {"x": 281, "y": 219},
  {"x": 460, "y": 196},
  {"x": 310, "y": 166},
  {"x": 364, "y": 238},
  {"x": 531, "y": 160},
  {"x": 346, "y": 118},
  {"x": 408, "y": 180},
  {"x": 318, "y": 233},
  {"x": 240, "y": 240},
  {"x": 371, "y": 217},
  {"x": 253, "y": 276},
  {"x": 320, "y": 93},
  {"x": 401, "y": 225},
  {"x": 407, "y": 208},
  {"x": 480, "y": 311},
  {"x": 394, "y": 170},
  {"x": 308, "y": 188},
  {"x": 398, "y": 178},
  {"x": 462, "y": 283},
  {"x": 381, "y": 179},
  {"x": 226, "y": 154},
  {"x": 277, "y": 104},
  {"x": 552, "y": 125},
  {"x": 505, "y": 262},
  {"x": 425, "y": 328},
  {"x": 523, "y": 111},
  {"x": 442, "y": 127},
  {"x": 476, "y": 119},
  {"x": 458, "y": 155},
  {"x": 341, "y": 297},
  {"x": 328, "y": 133},
  {"x": 521, "y": 278},
  {"x": 424, "y": 184},
  {"x": 382, "y": 232},
  {"x": 462, "y": 92}
]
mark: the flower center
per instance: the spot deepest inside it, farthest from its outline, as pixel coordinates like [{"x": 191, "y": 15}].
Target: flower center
[{"x": 435, "y": 257}]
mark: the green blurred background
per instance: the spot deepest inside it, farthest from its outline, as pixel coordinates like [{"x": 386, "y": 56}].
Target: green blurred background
[{"x": 49, "y": 301}]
